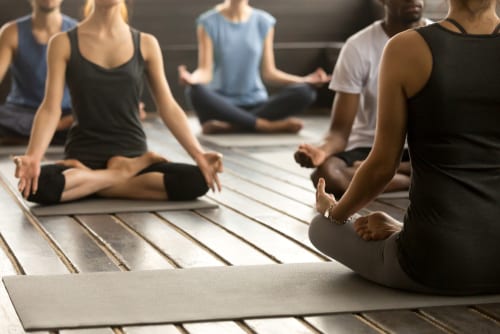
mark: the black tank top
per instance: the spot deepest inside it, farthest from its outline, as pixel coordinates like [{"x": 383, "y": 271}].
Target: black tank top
[
  {"x": 451, "y": 234},
  {"x": 105, "y": 106}
]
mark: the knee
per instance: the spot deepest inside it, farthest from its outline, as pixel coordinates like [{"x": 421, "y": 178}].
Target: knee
[
  {"x": 335, "y": 180},
  {"x": 186, "y": 184},
  {"x": 50, "y": 186},
  {"x": 317, "y": 231}
]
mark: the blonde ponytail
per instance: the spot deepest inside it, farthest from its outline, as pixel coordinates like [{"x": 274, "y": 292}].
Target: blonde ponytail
[{"x": 90, "y": 5}]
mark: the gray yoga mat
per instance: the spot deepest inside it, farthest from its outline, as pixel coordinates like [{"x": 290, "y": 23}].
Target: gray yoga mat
[
  {"x": 104, "y": 205},
  {"x": 205, "y": 294},
  {"x": 394, "y": 194},
  {"x": 258, "y": 139},
  {"x": 99, "y": 205}
]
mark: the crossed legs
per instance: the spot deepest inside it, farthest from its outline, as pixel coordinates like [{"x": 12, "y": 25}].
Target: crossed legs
[
  {"x": 218, "y": 115},
  {"x": 145, "y": 177},
  {"x": 117, "y": 180},
  {"x": 368, "y": 246},
  {"x": 338, "y": 176}
]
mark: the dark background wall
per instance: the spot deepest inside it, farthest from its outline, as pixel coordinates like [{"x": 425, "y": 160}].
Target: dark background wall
[{"x": 309, "y": 33}]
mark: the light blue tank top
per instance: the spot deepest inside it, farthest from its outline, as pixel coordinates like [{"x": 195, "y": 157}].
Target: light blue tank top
[
  {"x": 29, "y": 67},
  {"x": 238, "y": 49}
]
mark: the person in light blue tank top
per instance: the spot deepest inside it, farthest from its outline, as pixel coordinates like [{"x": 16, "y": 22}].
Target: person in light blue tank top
[
  {"x": 235, "y": 44},
  {"x": 23, "y": 49}
]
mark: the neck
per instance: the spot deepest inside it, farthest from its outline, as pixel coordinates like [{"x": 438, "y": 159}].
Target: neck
[
  {"x": 236, "y": 9},
  {"x": 474, "y": 15},
  {"x": 393, "y": 26},
  {"x": 46, "y": 20},
  {"x": 107, "y": 19}
]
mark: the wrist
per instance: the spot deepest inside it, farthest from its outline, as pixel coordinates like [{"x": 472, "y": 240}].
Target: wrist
[{"x": 330, "y": 215}]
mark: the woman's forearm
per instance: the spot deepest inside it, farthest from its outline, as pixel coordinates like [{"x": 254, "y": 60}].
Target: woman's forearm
[
  {"x": 44, "y": 127},
  {"x": 369, "y": 181},
  {"x": 279, "y": 77},
  {"x": 175, "y": 119}
]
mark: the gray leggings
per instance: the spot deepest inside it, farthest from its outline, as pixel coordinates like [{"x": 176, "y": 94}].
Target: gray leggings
[{"x": 376, "y": 261}]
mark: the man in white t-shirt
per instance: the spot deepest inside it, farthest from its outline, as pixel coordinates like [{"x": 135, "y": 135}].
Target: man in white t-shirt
[{"x": 354, "y": 109}]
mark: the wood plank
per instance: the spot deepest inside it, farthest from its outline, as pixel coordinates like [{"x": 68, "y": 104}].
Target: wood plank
[
  {"x": 403, "y": 321},
  {"x": 269, "y": 182},
  {"x": 186, "y": 254},
  {"x": 277, "y": 201},
  {"x": 87, "y": 331},
  {"x": 278, "y": 221},
  {"x": 183, "y": 251},
  {"x": 133, "y": 251},
  {"x": 32, "y": 253},
  {"x": 228, "y": 247},
  {"x": 493, "y": 310},
  {"x": 6, "y": 265},
  {"x": 240, "y": 158},
  {"x": 280, "y": 326},
  {"x": 24, "y": 239},
  {"x": 460, "y": 319},
  {"x": 217, "y": 327},
  {"x": 341, "y": 323},
  {"x": 77, "y": 245},
  {"x": 275, "y": 245},
  {"x": 9, "y": 322},
  {"x": 156, "y": 329}
]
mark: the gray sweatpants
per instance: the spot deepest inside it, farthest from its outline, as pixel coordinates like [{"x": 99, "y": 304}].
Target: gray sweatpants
[{"x": 376, "y": 261}]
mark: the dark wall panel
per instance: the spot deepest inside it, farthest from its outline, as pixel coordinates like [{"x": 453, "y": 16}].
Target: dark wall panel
[{"x": 303, "y": 32}]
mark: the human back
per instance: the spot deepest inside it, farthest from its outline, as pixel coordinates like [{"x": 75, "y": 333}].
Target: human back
[
  {"x": 452, "y": 225},
  {"x": 438, "y": 85}
]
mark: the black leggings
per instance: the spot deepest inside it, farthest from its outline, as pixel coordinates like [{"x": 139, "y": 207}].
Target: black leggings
[
  {"x": 182, "y": 182},
  {"x": 210, "y": 105}
]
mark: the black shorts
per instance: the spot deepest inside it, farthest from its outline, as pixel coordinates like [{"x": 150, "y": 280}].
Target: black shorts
[
  {"x": 361, "y": 153},
  {"x": 182, "y": 182}
]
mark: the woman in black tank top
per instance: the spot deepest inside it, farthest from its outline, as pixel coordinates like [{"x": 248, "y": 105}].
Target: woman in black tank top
[
  {"x": 439, "y": 87},
  {"x": 104, "y": 61}
]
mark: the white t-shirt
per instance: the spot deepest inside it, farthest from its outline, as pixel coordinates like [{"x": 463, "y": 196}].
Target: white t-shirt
[{"x": 356, "y": 72}]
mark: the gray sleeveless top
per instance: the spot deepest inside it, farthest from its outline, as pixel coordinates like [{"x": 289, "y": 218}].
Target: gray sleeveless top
[
  {"x": 451, "y": 234},
  {"x": 105, "y": 106}
]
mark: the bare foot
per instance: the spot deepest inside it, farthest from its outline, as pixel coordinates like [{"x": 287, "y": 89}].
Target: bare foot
[
  {"x": 213, "y": 127},
  {"x": 72, "y": 163},
  {"x": 288, "y": 125},
  {"x": 376, "y": 226},
  {"x": 132, "y": 166}
]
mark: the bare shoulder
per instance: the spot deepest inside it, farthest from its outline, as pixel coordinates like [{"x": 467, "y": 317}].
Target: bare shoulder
[
  {"x": 407, "y": 59},
  {"x": 8, "y": 34},
  {"x": 149, "y": 46},
  {"x": 408, "y": 44},
  {"x": 60, "y": 44}
]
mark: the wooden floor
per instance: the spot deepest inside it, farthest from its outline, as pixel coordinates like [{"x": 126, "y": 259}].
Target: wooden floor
[{"x": 263, "y": 218}]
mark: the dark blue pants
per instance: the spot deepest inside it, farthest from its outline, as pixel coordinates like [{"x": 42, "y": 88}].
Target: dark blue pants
[{"x": 210, "y": 105}]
